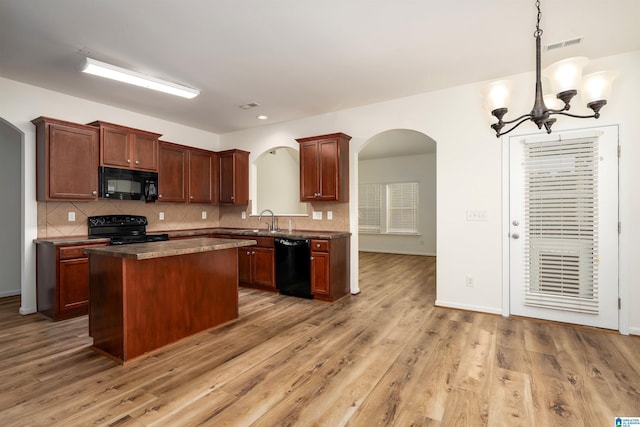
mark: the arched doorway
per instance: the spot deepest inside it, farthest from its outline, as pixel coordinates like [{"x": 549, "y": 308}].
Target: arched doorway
[
  {"x": 11, "y": 223},
  {"x": 397, "y": 156}
]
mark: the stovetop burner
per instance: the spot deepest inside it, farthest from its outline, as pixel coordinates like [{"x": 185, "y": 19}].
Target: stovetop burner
[{"x": 123, "y": 229}]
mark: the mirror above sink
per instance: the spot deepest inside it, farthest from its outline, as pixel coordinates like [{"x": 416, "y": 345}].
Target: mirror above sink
[{"x": 278, "y": 182}]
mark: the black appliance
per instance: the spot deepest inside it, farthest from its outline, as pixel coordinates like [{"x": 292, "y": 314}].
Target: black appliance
[
  {"x": 123, "y": 229},
  {"x": 293, "y": 266},
  {"x": 127, "y": 184}
]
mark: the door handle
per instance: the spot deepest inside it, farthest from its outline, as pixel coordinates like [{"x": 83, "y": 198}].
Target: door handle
[{"x": 515, "y": 235}]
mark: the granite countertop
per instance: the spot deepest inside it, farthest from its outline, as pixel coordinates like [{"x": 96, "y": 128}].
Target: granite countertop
[
  {"x": 167, "y": 248},
  {"x": 310, "y": 234}
]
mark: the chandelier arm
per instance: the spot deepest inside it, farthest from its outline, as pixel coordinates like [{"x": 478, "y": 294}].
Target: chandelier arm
[
  {"x": 577, "y": 116},
  {"x": 524, "y": 116},
  {"x": 524, "y": 119}
]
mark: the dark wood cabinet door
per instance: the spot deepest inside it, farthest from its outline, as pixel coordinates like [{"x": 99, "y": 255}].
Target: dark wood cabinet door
[
  {"x": 145, "y": 152},
  {"x": 173, "y": 165},
  {"x": 69, "y": 169},
  {"x": 115, "y": 149},
  {"x": 320, "y": 273},
  {"x": 244, "y": 264},
  {"x": 309, "y": 172},
  {"x": 233, "y": 177},
  {"x": 263, "y": 270},
  {"x": 73, "y": 292},
  {"x": 328, "y": 169},
  {"x": 200, "y": 179}
]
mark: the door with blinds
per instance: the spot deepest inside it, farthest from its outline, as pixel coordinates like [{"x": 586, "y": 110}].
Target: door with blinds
[{"x": 563, "y": 229}]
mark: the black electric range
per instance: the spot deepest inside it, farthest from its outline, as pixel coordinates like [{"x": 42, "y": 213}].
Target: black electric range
[{"x": 123, "y": 229}]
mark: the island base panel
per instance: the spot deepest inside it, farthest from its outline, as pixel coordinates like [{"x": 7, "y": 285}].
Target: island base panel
[{"x": 140, "y": 305}]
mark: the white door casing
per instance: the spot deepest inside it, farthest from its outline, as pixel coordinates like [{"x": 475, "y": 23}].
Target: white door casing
[{"x": 563, "y": 227}]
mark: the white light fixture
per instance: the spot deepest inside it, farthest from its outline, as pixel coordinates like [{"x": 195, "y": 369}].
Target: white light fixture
[
  {"x": 113, "y": 72},
  {"x": 262, "y": 117},
  {"x": 565, "y": 77}
]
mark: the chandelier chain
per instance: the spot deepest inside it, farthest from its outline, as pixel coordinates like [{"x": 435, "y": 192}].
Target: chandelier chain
[{"x": 538, "y": 31}]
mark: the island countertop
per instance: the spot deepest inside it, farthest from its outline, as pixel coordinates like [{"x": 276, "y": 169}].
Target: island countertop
[{"x": 168, "y": 248}]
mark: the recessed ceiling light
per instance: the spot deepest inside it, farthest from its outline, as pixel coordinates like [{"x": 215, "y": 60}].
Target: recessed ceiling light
[
  {"x": 113, "y": 72},
  {"x": 262, "y": 117}
]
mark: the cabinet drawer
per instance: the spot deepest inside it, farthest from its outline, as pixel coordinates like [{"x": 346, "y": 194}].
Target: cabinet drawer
[
  {"x": 72, "y": 252},
  {"x": 263, "y": 242},
  {"x": 319, "y": 245}
]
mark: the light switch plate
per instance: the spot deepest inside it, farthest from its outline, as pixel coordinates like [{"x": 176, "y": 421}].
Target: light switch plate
[
  {"x": 161, "y": 216},
  {"x": 244, "y": 215},
  {"x": 204, "y": 214},
  {"x": 317, "y": 215},
  {"x": 71, "y": 216},
  {"x": 329, "y": 215}
]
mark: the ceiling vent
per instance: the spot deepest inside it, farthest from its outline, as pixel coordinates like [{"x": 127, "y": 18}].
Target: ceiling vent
[
  {"x": 565, "y": 43},
  {"x": 249, "y": 105}
]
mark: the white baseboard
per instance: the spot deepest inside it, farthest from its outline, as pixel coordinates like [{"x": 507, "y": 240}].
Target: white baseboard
[
  {"x": 9, "y": 293},
  {"x": 634, "y": 331},
  {"x": 396, "y": 252},
  {"x": 28, "y": 310},
  {"x": 480, "y": 309}
]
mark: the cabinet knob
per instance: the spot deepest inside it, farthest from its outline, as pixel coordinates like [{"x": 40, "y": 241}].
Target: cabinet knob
[
  {"x": 311, "y": 258},
  {"x": 137, "y": 162},
  {"x": 191, "y": 197},
  {"x": 94, "y": 192},
  {"x": 159, "y": 196},
  {"x": 128, "y": 160},
  {"x": 317, "y": 245}
]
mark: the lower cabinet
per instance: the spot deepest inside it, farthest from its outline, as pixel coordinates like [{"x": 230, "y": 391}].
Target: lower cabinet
[
  {"x": 256, "y": 264},
  {"x": 62, "y": 279},
  {"x": 330, "y": 268}
]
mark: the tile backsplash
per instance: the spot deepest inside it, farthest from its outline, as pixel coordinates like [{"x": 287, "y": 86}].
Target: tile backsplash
[{"x": 53, "y": 217}]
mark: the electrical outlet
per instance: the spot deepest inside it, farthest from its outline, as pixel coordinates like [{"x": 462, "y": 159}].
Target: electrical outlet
[
  {"x": 469, "y": 282},
  {"x": 204, "y": 214},
  {"x": 161, "y": 216},
  {"x": 244, "y": 215},
  {"x": 71, "y": 216},
  {"x": 329, "y": 215},
  {"x": 317, "y": 215}
]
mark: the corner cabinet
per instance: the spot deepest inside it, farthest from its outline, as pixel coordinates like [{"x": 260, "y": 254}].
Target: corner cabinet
[
  {"x": 62, "y": 279},
  {"x": 124, "y": 147},
  {"x": 66, "y": 160},
  {"x": 330, "y": 268},
  {"x": 324, "y": 168},
  {"x": 234, "y": 177}
]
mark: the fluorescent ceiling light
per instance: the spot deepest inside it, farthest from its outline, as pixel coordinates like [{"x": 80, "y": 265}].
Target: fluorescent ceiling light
[{"x": 109, "y": 71}]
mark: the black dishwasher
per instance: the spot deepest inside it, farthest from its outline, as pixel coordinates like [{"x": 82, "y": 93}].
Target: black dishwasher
[{"x": 293, "y": 266}]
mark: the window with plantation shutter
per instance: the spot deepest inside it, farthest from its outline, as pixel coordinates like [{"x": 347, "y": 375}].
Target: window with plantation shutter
[
  {"x": 388, "y": 208},
  {"x": 369, "y": 207},
  {"x": 561, "y": 247},
  {"x": 402, "y": 207}
]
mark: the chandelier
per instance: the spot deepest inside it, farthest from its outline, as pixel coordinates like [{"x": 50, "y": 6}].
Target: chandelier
[{"x": 565, "y": 77}]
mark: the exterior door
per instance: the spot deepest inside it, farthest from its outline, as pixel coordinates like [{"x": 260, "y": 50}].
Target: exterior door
[{"x": 563, "y": 227}]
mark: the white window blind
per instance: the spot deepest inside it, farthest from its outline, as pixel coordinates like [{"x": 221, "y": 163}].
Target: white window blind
[
  {"x": 369, "y": 207},
  {"x": 561, "y": 262},
  {"x": 388, "y": 208},
  {"x": 402, "y": 207}
]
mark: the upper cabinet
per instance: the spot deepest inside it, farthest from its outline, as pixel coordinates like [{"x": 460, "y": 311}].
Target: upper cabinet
[
  {"x": 66, "y": 160},
  {"x": 324, "y": 168},
  {"x": 173, "y": 172},
  {"x": 234, "y": 177},
  {"x": 203, "y": 168},
  {"x": 124, "y": 147}
]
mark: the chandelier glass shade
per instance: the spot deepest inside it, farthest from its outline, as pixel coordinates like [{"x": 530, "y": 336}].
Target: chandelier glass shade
[{"x": 566, "y": 82}]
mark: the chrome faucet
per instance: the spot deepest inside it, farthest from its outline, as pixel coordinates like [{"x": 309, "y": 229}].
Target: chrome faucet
[{"x": 270, "y": 227}]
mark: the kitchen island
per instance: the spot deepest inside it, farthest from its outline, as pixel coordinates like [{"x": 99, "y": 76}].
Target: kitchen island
[{"x": 147, "y": 295}]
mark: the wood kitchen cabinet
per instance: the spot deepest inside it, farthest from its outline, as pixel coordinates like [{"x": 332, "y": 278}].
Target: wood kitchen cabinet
[
  {"x": 234, "y": 177},
  {"x": 173, "y": 173},
  {"x": 330, "y": 268},
  {"x": 324, "y": 168},
  {"x": 62, "y": 279},
  {"x": 66, "y": 160},
  {"x": 203, "y": 168},
  {"x": 124, "y": 147},
  {"x": 256, "y": 264}
]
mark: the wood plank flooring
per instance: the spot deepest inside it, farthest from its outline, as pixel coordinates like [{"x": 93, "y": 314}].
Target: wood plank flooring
[{"x": 386, "y": 357}]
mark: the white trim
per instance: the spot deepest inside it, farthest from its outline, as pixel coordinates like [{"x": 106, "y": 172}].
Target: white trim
[
  {"x": 633, "y": 331},
  {"x": 11, "y": 293},
  {"x": 476, "y": 308},
  {"x": 506, "y": 295},
  {"x": 378, "y": 251},
  {"x": 28, "y": 310}
]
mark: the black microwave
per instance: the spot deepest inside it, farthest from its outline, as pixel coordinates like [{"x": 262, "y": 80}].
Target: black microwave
[{"x": 127, "y": 184}]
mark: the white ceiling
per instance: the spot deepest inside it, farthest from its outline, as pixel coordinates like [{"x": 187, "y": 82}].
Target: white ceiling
[{"x": 295, "y": 58}]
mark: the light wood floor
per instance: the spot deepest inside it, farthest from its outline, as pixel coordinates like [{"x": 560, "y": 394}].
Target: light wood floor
[{"x": 384, "y": 357}]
